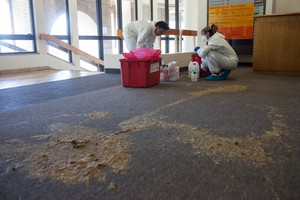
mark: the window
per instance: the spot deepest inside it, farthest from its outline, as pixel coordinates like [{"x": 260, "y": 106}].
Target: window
[
  {"x": 16, "y": 27},
  {"x": 109, "y": 26},
  {"x": 88, "y": 31},
  {"x": 146, "y": 10},
  {"x": 170, "y": 11},
  {"x": 128, "y": 10},
  {"x": 56, "y": 24}
]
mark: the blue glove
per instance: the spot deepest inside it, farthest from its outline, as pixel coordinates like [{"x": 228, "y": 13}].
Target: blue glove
[{"x": 196, "y": 49}]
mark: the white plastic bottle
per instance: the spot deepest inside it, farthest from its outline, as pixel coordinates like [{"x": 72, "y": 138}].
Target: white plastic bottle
[
  {"x": 190, "y": 69},
  {"x": 177, "y": 73},
  {"x": 194, "y": 76},
  {"x": 193, "y": 66}
]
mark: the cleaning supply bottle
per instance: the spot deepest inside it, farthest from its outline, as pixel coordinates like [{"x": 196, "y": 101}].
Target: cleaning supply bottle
[
  {"x": 194, "y": 76},
  {"x": 166, "y": 73},
  {"x": 190, "y": 69},
  {"x": 177, "y": 73},
  {"x": 193, "y": 66}
]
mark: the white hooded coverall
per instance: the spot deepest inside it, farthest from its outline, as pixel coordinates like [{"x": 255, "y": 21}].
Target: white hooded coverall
[
  {"x": 139, "y": 34},
  {"x": 218, "y": 54}
]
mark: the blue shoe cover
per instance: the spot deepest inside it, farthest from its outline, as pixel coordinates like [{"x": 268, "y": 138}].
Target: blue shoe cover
[{"x": 223, "y": 76}]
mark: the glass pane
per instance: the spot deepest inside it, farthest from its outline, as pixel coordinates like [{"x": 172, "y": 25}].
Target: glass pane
[
  {"x": 56, "y": 24},
  {"x": 172, "y": 46},
  {"x": 172, "y": 19},
  {"x": 90, "y": 47},
  {"x": 58, "y": 51},
  {"x": 163, "y": 46},
  {"x": 14, "y": 46},
  {"x": 15, "y": 17},
  {"x": 128, "y": 10},
  {"x": 180, "y": 14},
  {"x": 146, "y": 10},
  {"x": 87, "y": 17},
  {"x": 161, "y": 10},
  {"x": 124, "y": 46},
  {"x": 110, "y": 47},
  {"x": 109, "y": 17},
  {"x": 88, "y": 66},
  {"x": 55, "y": 17}
]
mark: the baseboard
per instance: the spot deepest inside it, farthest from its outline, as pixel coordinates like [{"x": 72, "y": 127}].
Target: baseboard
[
  {"x": 23, "y": 70},
  {"x": 112, "y": 71},
  {"x": 245, "y": 64}
]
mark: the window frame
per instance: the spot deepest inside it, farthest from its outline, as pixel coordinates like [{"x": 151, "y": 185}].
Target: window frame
[{"x": 16, "y": 37}]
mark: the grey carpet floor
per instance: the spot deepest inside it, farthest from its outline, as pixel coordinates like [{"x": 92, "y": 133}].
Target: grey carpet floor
[{"x": 91, "y": 138}]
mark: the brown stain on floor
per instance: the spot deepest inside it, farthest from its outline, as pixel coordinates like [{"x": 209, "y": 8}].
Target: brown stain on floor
[
  {"x": 249, "y": 149},
  {"x": 78, "y": 154},
  {"x": 93, "y": 116},
  {"x": 70, "y": 154}
]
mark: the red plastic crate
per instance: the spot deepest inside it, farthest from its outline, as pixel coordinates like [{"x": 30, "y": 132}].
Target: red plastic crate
[
  {"x": 137, "y": 73},
  {"x": 197, "y": 58}
]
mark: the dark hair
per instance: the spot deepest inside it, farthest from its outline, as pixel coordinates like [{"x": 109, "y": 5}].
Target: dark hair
[
  {"x": 210, "y": 29},
  {"x": 163, "y": 25}
]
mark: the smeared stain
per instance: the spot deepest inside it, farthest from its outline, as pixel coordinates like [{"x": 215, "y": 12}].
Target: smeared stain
[
  {"x": 249, "y": 149},
  {"x": 71, "y": 154},
  {"x": 112, "y": 186},
  {"x": 193, "y": 95},
  {"x": 93, "y": 115},
  {"x": 78, "y": 154},
  {"x": 60, "y": 159},
  {"x": 154, "y": 118},
  {"x": 222, "y": 89}
]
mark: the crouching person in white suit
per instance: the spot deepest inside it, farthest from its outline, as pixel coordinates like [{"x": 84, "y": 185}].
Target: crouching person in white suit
[
  {"x": 217, "y": 55},
  {"x": 142, "y": 34}
]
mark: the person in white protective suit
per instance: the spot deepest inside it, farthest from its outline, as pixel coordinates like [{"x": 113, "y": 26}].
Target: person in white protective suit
[
  {"x": 217, "y": 55},
  {"x": 142, "y": 34}
]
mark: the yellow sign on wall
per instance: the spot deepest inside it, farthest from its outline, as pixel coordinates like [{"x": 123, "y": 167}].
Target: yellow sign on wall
[{"x": 233, "y": 20}]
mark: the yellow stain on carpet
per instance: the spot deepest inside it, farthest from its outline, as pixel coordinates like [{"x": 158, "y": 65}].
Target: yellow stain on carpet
[
  {"x": 153, "y": 118},
  {"x": 70, "y": 154},
  {"x": 78, "y": 154},
  {"x": 249, "y": 149},
  {"x": 93, "y": 115}
]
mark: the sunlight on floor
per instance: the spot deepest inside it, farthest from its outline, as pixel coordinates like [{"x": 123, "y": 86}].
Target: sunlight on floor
[{"x": 30, "y": 78}]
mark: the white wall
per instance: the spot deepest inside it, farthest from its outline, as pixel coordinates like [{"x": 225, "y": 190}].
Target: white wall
[
  {"x": 34, "y": 60},
  {"x": 269, "y": 7},
  {"x": 190, "y": 16},
  {"x": 287, "y": 6},
  {"x": 202, "y": 20}
]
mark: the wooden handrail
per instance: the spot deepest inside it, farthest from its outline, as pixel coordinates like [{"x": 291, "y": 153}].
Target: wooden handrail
[
  {"x": 171, "y": 32},
  {"x": 188, "y": 32},
  {"x": 71, "y": 48}
]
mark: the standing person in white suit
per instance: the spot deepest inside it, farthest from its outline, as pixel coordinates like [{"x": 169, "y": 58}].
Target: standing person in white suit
[
  {"x": 217, "y": 55},
  {"x": 142, "y": 34}
]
